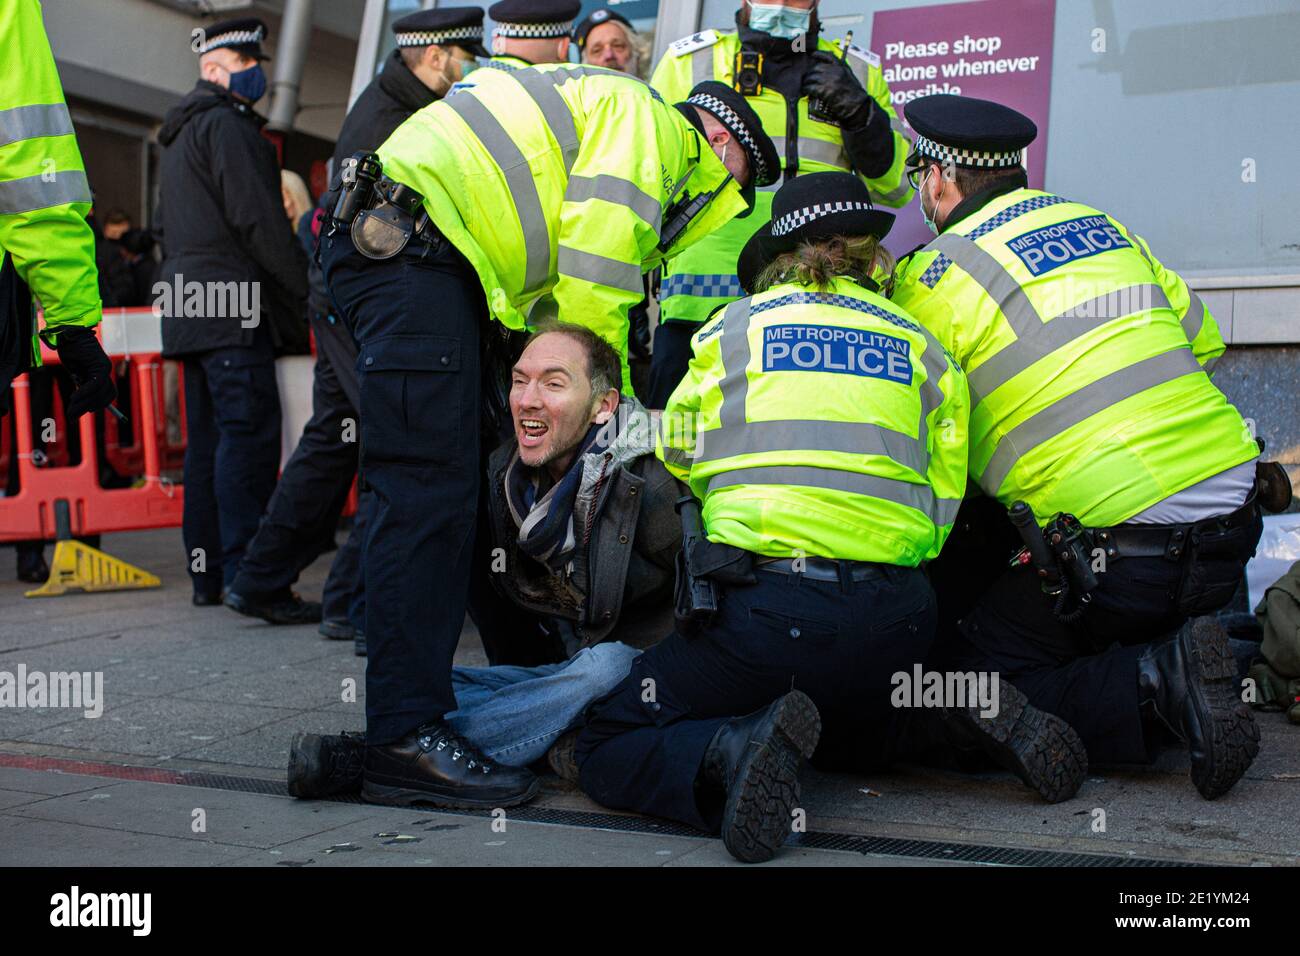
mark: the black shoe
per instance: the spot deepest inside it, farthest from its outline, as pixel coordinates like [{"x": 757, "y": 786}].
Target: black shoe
[
  {"x": 32, "y": 568},
  {"x": 208, "y": 600},
  {"x": 321, "y": 765},
  {"x": 756, "y": 760},
  {"x": 1040, "y": 748},
  {"x": 289, "y": 610},
  {"x": 434, "y": 766},
  {"x": 336, "y": 630},
  {"x": 1189, "y": 683},
  {"x": 359, "y": 644}
]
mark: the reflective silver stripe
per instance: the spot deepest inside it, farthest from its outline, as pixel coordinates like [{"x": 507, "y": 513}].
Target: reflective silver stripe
[
  {"x": 859, "y": 67},
  {"x": 30, "y": 122},
  {"x": 701, "y": 66},
  {"x": 35, "y": 192},
  {"x": 672, "y": 455},
  {"x": 897, "y": 126},
  {"x": 996, "y": 280},
  {"x": 1060, "y": 331},
  {"x": 823, "y": 151},
  {"x": 1194, "y": 317},
  {"x": 941, "y": 511},
  {"x": 519, "y": 179},
  {"x": 737, "y": 435},
  {"x": 1070, "y": 410},
  {"x": 598, "y": 270},
  {"x": 1210, "y": 363},
  {"x": 894, "y": 195},
  {"x": 851, "y": 438},
  {"x": 620, "y": 192},
  {"x": 543, "y": 88}
]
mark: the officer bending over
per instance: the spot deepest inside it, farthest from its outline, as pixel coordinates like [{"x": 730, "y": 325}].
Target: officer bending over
[
  {"x": 530, "y": 32},
  {"x": 1088, "y": 366},
  {"x": 585, "y": 537},
  {"x": 825, "y": 433},
  {"x": 485, "y": 201}
]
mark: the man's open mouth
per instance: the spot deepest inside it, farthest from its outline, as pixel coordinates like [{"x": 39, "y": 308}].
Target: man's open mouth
[{"x": 531, "y": 432}]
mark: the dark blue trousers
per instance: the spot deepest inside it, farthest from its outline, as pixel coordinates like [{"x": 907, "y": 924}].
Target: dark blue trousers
[
  {"x": 303, "y": 514},
  {"x": 416, "y": 319},
  {"x": 1084, "y": 672},
  {"x": 840, "y": 643},
  {"x": 232, "y": 455}
]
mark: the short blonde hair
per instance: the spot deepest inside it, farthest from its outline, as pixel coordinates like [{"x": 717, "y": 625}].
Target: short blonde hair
[{"x": 295, "y": 191}]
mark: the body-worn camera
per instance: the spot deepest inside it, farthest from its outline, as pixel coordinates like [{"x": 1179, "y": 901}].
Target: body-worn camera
[{"x": 749, "y": 73}]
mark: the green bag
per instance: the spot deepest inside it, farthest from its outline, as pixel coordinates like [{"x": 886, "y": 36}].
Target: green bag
[{"x": 1277, "y": 676}]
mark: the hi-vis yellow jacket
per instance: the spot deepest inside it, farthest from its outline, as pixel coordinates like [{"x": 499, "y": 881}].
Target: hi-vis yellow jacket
[
  {"x": 705, "y": 278},
  {"x": 555, "y": 179},
  {"x": 44, "y": 197},
  {"x": 1085, "y": 359},
  {"x": 821, "y": 423}
]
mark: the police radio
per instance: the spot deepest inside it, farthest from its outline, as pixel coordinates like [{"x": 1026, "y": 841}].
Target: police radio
[
  {"x": 680, "y": 213},
  {"x": 749, "y": 73}
]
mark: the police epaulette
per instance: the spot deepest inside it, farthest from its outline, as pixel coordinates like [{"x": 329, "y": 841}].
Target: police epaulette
[
  {"x": 864, "y": 54},
  {"x": 696, "y": 41}
]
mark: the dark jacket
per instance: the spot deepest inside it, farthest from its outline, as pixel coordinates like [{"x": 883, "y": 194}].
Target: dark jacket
[
  {"x": 383, "y": 106},
  {"x": 622, "y": 580},
  {"x": 223, "y": 219}
]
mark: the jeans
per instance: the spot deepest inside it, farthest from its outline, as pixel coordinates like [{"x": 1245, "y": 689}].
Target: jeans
[{"x": 514, "y": 714}]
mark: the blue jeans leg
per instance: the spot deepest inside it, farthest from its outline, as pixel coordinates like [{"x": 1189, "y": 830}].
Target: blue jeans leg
[{"x": 514, "y": 714}]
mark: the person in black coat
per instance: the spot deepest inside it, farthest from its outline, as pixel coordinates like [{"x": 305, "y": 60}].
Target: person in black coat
[
  {"x": 231, "y": 266},
  {"x": 434, "y": 50}
]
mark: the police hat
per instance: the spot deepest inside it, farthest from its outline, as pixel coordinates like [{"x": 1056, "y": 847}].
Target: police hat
[
  {"x": 809, "y": 207},
  {"x": 733, "y": 112},
  {"x": 534, "y": 19},
  {"x": 445, "y": 26},
  {"x": 968, "y": 132},
  {"x": 243, "y": 35},
  {"x": 594, "y": 19}
]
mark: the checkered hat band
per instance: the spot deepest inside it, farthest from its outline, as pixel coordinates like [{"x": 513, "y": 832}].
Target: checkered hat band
[
  {"x": 232, "y": 38},
  {"x": 731, "y": 119},
  {"x": 801, "y": 217},
  {"x": 534, "y": 31},
  {"x": 964, "y": 157},
  {"x": 430, "y": 37}
]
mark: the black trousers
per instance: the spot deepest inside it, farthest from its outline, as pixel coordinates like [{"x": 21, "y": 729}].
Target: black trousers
[
  {"x": 669, "y": 360},
  {"x": 839, "y": 642},
  {"x": 303, "y": 513},
  {"x": 1084, "y": 672},
  {"x": 417, "y": 320},
  {"x": 232, "y": 455}
]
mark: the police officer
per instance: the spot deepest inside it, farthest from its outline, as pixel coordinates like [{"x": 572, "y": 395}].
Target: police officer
[
  {"x": 825, "y": 433},
  {"x": 1088, "y": 365},
  {"x": 826, "y": 106},
  {"x": 531, "y": 32},
  {"x": 224, "y": 229},
  {"x": 607, "y": 38},
  {"x": 483, "y": 202},
  {"x": 435, "y": 49},
  {"x": 47, "y": 248}
]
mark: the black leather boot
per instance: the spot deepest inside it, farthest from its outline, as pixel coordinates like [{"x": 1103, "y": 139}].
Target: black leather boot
[
  {"x": 322, "y": 765},
  {"x": 755, "y": 760},
  {"x": 278, "y": 609},
  {"x": 1189, "y": 684},
  {"x": 434, "y": 766},
  {"x": 1040, "y": 748}
]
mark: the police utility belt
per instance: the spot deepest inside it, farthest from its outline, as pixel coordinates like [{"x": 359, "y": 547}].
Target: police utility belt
[{"x": 381, "y": 215}]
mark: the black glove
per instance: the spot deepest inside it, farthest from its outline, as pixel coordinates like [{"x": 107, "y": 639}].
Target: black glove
[
  {"x": 830, "y": 81},
  {"x": 81, "y": 354}
]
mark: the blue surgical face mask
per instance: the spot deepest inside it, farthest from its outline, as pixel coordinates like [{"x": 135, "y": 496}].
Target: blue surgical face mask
[
  {"x": 777, "y": 20},
  {"x": 929, "y": 223},
  {"x": 249, "y": 84}
]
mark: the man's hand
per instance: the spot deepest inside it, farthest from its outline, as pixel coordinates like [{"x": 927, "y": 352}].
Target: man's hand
[
  {"x": 81, "y": 354},
  {"x": 842, "y": 96}
]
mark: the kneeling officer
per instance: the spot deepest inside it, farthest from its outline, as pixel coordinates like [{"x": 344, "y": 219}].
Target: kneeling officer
[{"x": 825, "y": 432}]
